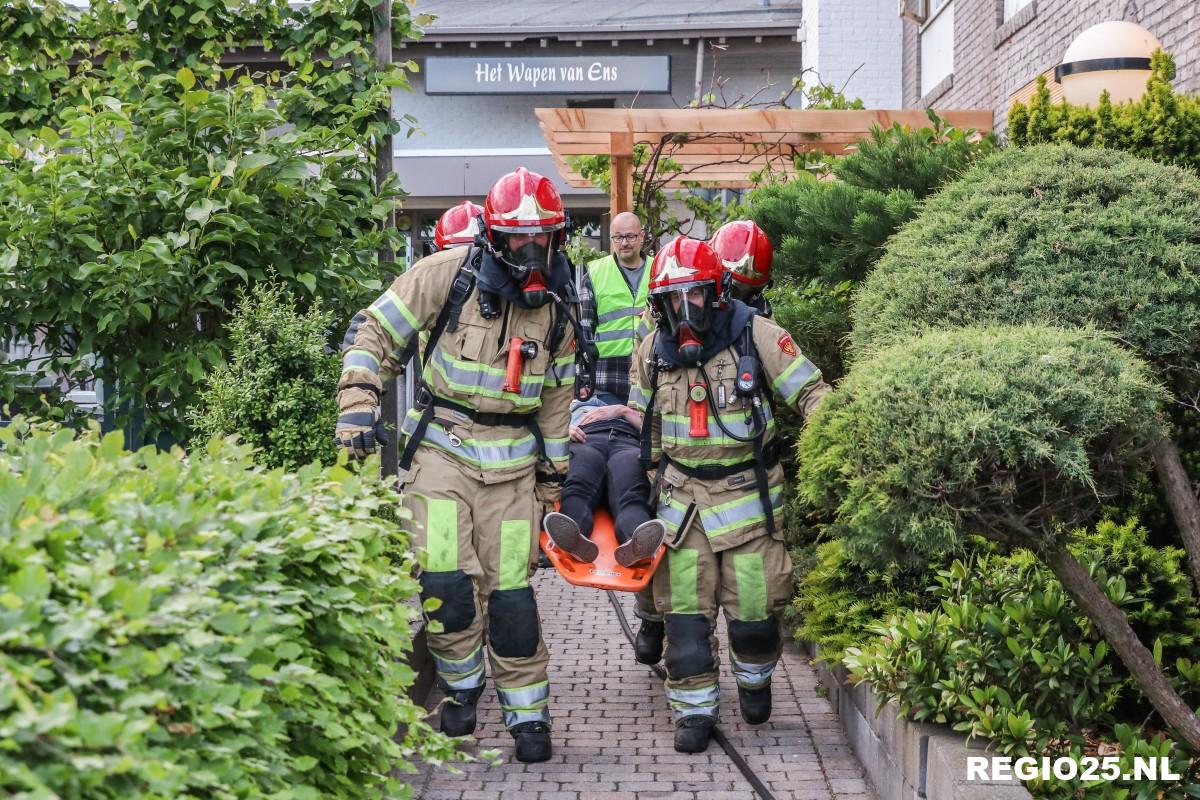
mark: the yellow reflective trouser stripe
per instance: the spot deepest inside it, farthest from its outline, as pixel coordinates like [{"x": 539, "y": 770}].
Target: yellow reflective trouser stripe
[
  {"x": 751, "y": 586},
  {"x": 751, "y": 676},
  {"x": 441, "y": 534},
  {"x": 686, "y": 702},
  {"x": 464, "y": 674},
  {"x": 525, "y": 704},
  {"x": 514, "y": 554},
  {"x": 684, "y": 596}
]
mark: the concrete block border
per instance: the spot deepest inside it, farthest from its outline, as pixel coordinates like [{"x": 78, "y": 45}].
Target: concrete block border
[{"x": 906, "y": 760}]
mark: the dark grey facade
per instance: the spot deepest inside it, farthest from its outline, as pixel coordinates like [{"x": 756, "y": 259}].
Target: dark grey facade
[{"x": 746, "y": 50}]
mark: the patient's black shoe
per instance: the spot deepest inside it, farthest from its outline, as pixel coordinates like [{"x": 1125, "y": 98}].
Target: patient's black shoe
[{"x": 565, "y": 534}]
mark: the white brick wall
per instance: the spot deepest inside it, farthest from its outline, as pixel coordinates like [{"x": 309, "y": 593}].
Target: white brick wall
[{"x": 855, "y": 48}]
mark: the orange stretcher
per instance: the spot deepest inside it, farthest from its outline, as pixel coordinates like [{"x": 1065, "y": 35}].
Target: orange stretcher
[{"x": 604, "y": 572}]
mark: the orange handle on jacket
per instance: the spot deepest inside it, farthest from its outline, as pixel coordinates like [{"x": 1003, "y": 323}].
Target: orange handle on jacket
[
  {"x": 698, "y": 410},
  {"x": 512, "y": 375}
]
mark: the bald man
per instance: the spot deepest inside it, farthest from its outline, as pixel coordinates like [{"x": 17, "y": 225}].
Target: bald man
[{"x": 605, "y": 432}]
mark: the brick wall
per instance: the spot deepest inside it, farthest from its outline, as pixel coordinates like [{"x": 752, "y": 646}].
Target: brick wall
[
  {"x": 856, "y": 41},
  {"x": 993, "y": 60}
]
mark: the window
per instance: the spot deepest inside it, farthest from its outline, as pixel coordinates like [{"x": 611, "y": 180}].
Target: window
[
  {"x": 1011, "y": 7},
  {"x": 599, "y": 102},
  {"x": 937, "y": 45}
]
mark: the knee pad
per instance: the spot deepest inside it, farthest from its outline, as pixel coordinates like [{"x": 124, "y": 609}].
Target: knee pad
[
  {"x": 689, "y": 652},
  {"x": 513, "y": 629},
  {"x": 457, "y": 593},
  {"x": 758, "y": 639}
]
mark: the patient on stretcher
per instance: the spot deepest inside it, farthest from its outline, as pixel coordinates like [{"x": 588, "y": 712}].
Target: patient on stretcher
[{"x": 605, "y": 469}]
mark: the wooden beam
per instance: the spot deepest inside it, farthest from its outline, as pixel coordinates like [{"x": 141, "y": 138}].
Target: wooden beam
[
  {"x": 620, "y": 148},
  {"x": 691, "y": 120}
]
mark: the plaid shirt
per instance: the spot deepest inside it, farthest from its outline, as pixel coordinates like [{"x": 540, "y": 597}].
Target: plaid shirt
[{"x": 611, "y": 374}]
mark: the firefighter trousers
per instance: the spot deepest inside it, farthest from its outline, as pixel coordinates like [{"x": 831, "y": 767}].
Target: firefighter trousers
[
  {"x": 477, "y": 546},
  {"x": 752, "y": 582}
]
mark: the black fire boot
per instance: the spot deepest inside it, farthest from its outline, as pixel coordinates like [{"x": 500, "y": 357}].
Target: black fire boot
[
  {"x": 693, "y": 732},
  {"x": 648, "y": 648},
  {"x": 458, "y": 712},
  {"x": 533, "y": 741},
  {"x": 756, "y": 704},
  {"x": 565, "y": 534}
]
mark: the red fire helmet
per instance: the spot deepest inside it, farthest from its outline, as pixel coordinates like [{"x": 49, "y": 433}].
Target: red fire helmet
[
  {"x": 683, "y": 263},
  {"x": 679, "y": 269},
  {"x": 745, "y": 251},
  {"x": 523, "y": 202},
  {"x": 458, "y": 225}
]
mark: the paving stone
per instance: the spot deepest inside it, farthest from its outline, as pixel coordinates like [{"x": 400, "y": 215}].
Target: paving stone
[{"x": 612, "y": 729}]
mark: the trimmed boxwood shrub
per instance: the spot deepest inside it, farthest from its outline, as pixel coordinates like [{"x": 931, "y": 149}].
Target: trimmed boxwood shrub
[
  {"x": 194, "y": 626},
  {"x": 1051, "y": 234},
  {"x": 967, "y": 431},
  {"x": 1013, "y": 434}
]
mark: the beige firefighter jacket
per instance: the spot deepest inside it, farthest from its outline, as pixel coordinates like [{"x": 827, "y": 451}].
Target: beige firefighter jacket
[
  {"x": 467, "y": 367},
  {"x": 730, "y": 509}
]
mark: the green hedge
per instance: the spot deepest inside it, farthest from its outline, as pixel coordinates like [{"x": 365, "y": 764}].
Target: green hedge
[
  {"x": 1004, "y": 654},
  {"x": 965, "y": 431},
  {"x": 193, "y": 626},
  {"x": 1049, "y": 234}
]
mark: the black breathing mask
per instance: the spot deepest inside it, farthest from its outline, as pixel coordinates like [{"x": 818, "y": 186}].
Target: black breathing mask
[{"x": 528, "y": 265}]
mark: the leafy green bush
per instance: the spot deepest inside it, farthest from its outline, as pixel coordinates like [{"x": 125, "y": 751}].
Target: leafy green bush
[
  {"x": 147, "y": 176},
  {"x": 1162, "y": 126},
  {"x": 124, "y": 245},
  {"x": 278, "y": 391},
  {"x": 833, "y": 229},
  {"x": 1048, "y": 234},
  {"x": 1006, "y": 655},
  {"x": 828, "y": 234},
  {"x": 838, "y": 601},
  {"x": 194, "y": 626},
  {"x": 980, "y": 430}
]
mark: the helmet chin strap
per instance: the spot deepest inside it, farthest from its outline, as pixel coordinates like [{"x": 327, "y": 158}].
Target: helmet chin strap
[{"x": 689, "y": 344}]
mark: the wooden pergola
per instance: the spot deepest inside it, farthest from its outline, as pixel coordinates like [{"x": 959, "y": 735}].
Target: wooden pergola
[{"x": 718, "y": 148}]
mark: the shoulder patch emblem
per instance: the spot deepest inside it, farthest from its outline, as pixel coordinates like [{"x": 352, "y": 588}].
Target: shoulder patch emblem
[{"x": 787, "y": 345}]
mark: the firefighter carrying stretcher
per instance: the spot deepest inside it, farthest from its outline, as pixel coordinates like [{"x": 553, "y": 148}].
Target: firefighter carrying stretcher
[
  {"x": 703, "y": 380},
  {"x": 486, "y": 443}
]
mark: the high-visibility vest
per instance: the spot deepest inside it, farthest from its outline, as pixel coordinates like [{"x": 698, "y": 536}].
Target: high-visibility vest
[{"x": 616, "y": 307}]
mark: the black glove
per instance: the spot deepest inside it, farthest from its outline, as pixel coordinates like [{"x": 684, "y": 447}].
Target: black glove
[{"x": 361, "y": 432}]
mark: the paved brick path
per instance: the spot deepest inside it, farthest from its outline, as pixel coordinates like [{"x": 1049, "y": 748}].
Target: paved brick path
[{"x": 613, "y": 734}]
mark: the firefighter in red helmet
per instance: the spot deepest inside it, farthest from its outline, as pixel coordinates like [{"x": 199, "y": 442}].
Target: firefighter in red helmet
[
  {"x": 745, "y": 251},
  {"x": 485, "y": 443},
  {"x": 459, "y": 225},
  {"x": 703, "y": 379}
]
